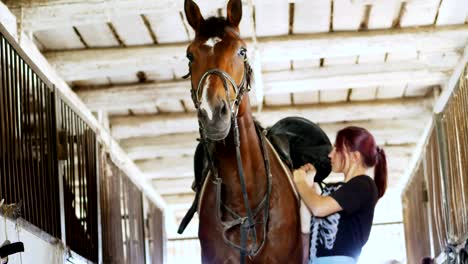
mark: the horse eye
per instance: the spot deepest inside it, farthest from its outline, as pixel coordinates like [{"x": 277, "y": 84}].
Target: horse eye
[
  {"x": 190, "y": 57},
  {"x": 242, "y": 52}
]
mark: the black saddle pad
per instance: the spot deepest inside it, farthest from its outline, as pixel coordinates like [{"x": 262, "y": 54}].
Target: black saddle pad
[{"x": 300, "y": 141}]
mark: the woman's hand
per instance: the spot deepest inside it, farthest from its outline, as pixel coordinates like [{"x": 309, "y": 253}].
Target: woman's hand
[
  {"x": 308, "y": 168},
  {"x": 301, "y": 173}
]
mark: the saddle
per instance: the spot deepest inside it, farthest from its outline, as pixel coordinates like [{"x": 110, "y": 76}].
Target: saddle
[{"x": 296, "y": 140}]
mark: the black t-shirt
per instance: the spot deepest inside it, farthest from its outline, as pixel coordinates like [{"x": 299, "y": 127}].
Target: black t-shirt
[{"x": 345, "y": 233}]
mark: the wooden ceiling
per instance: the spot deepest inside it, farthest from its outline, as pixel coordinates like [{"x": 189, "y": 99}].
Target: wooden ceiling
[{"x": 379, "y": 64}]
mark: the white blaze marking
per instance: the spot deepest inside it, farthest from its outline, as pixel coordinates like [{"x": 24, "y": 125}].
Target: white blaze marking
[
  {"x": 205, "y": 104},
  {"x": 212, "y": 41}
]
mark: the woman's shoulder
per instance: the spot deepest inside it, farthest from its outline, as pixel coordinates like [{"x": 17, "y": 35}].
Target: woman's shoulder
[{"x": 364, "y": 181}]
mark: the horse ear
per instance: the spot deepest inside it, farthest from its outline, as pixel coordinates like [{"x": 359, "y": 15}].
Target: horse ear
[
  {"x": 193, "y": 14},
  {"x": 234, "y": 12}
]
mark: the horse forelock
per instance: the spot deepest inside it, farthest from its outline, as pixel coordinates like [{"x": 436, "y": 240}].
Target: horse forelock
[{"x": 216, "y": 27}]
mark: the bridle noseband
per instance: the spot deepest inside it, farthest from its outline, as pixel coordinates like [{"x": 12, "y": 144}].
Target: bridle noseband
[
  {"x": 246, "y": 223},
  {"x": 240, "y": 89}
]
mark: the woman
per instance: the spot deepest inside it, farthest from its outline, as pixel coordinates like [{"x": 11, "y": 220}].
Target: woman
[{"x": 343, "y": 214}]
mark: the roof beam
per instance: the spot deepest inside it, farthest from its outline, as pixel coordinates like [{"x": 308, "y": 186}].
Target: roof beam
[
  {"x": 386, "y": 132},
  {"x": 398, "y": 158},
  {"x": 150, "y": 125},
  {"x": 42, "y": 15},
  {"x": 104, "y": 62},
  {"x": 170, "y": 169},
  {"x": 426, "y": 71}
]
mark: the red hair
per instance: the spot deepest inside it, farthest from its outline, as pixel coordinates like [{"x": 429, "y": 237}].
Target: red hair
[{"x": 359, "y": 139}]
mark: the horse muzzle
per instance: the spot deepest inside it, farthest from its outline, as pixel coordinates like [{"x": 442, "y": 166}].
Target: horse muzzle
[{"x": 218, "y": 127}]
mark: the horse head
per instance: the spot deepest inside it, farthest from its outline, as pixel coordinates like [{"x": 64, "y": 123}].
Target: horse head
[{"x": 220, "y": 73}]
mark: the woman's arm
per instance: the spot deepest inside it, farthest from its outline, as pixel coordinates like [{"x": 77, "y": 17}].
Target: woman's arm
[{"x": 320, "y": 206}]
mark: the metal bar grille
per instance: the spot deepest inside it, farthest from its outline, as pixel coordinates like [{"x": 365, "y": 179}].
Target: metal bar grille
[
  {"x": 28, "y": 171},
  {"x": 157, "y": 236},
  {"x": 78, "y": 142},
  {"x": 122, "y": 216},
  {"x": 453, "y": 140},
  {"x": 416, "y": 217},
  {"x": 442, "y": 169}
]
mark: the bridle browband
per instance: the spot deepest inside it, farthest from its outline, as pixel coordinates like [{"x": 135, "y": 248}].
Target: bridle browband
[{"x": 247, "y": 223}]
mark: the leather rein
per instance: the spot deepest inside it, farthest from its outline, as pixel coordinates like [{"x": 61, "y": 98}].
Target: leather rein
[{"x": 246, "y": 223}]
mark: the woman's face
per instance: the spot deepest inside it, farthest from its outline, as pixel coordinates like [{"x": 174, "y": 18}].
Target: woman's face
[{"x": 337, "y": 161}]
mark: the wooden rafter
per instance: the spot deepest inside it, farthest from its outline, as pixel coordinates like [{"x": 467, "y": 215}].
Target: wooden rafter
[
  {"x": 93, "y": 63},
  {"x": 150, "y": 125}
]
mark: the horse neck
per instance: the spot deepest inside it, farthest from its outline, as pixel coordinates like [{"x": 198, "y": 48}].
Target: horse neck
[{"x": 252, "y": 164}]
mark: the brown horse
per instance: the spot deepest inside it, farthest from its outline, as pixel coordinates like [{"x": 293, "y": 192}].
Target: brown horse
[{"x": 248, "y": 209}]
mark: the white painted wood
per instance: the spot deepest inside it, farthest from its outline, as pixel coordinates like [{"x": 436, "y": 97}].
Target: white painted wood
[
  {"x": 417, "y": 90},
  {"x": 99, "y": 81},
  {"x": 451, "y": 84},
  {"x": 311, "y": 16},
  {"x": 179, "y": 198},
  {"x": 449, "y": 59},
  {"x": 170, "y": 145},
  {"x": 189, "y": 105},
  {"x": 126, "y": 127},
  {"x": 124, "y": 79},
  {"x": 383, "y": 13},
  {"x": 180, "y": 68},
  {"x": 336, "y": 95},
  {"x": 168, "y": 27},
  {"x": 170, "y": 106},
  {"x": 371, "y": 58},
  {"x": 304, "y": 98},
  {"x": 144, "y": 110},
  {"x": 174, "y": 177},
  {"x": 347, "y": 15},
  {"x": 390, "y": 91},
  {"x": 160, "y": 74},
  {"x": 367, "y": 93},
  {"x": 131, "y": 96},
  {"x": 179, "y": 167},
  {"x": 272, "y": 18},
  {"x": 364, "y": 75},
  {"x": 307, "y": 79},
  {"x": 59, "y": 39},
  {"x": 333, "y": 96},
  {"x": 86, "y": 64},
  {"x": 300, "y": 64},
  {"x": 272, "y": 66},
  {"x": 299, "y": 82},
  {"x": 119, "y": 112},
  {"x": 386, "y": 132},
  {"x": 362, "y": 94},
  {"x": 282, "y": 99},
  {"x": 357, "y": 43},
  {"x": 344, "y": 60},
  {"x": 132, "y": 30},
  {"x": 419, "y": 13},
  {"x": 174, "y": 186},
  {"x": 452, "y": 12},
  {"x": 43, "y": 15},
  {"x": 8, "y": 20},
  {"x": 97, "y": 35},
  {"x": 402, "y": 56}
]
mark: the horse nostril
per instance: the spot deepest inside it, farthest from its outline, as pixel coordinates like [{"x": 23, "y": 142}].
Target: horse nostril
[{"x": 224, "y": 108}]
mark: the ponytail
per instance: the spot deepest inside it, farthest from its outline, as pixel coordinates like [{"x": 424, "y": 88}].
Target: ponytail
[{"x": 380, "y": 172}]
